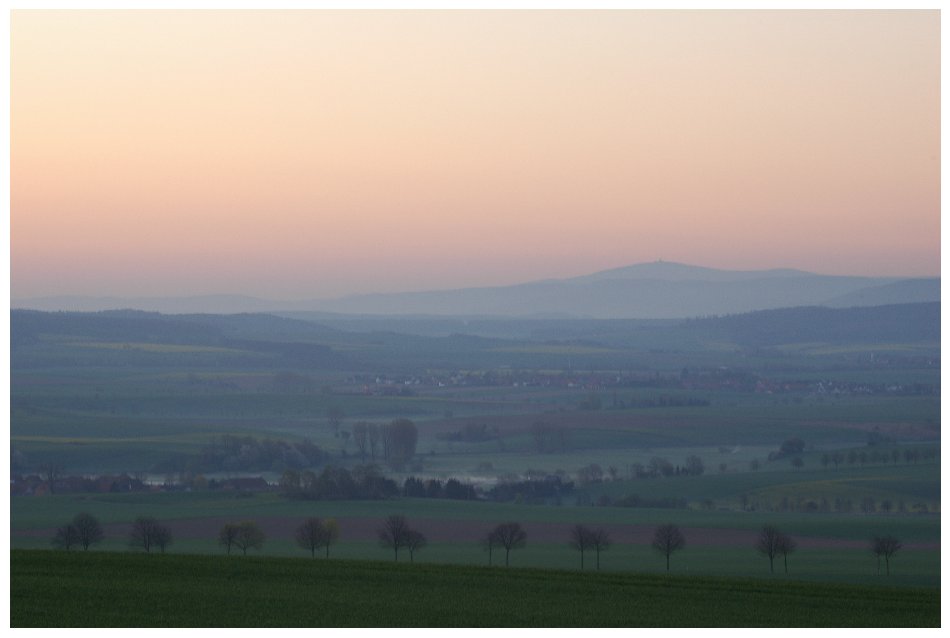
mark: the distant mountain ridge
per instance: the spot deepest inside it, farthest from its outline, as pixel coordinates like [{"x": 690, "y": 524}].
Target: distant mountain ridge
[
  {"x": 675, "y": 271},
  {"x": 315, "y": 334},
  {"x": 216, "y": 304},
  {"x": 655, "y": 290}
]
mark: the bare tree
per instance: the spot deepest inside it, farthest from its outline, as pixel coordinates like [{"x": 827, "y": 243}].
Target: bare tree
[
  {"x": 335, "y": 416},
  {"x": 885, "y": 546},
  {"x": 310, "y": 535},
  {"x": 785, "y": 546},
  {"x": 249, "y": 536},
  {"x": 314, "y": 534},
  {"x": 361, "y": 438},
  {"x": 414, "y": 540},
  {"x": 372, "y": 431},
  {"x": 88, "y": 529},
  {"x": 600, "y": 541},
  {"x": 227, "y": 537},
  {"x": 162, "y": 537},
  {"x": 140, "y": 536},
  {"x": 147, "y": 533},
  {"x": 393, "y": 533},
  {"x": 668, "y": 539},
  {"x": 331, "y": 534},
  {"x": 51, "y": 473},
  {"x": 65, "y": 537},
  {"x": 488, "y": 542},
  {"x": 510, "y": 536},
  {"x": 144, "y": 533},
  {"x": 580, "y": 540},
  {"x": 399, "y": 442},
  {"x": 768, "y": 544}
]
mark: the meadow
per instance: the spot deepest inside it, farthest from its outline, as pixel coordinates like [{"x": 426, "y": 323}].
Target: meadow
[
  {"x": 135, "y": 590},
  {"x": 832, "y": 547}
]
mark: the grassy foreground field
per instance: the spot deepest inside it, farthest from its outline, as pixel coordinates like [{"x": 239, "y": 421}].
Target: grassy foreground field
[
  {"x": 832, "y": 547},
  {"x": 100, "y": 589}
]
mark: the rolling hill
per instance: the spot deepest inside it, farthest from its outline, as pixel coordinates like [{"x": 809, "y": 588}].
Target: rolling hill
[{"x": 657, "y": 290}]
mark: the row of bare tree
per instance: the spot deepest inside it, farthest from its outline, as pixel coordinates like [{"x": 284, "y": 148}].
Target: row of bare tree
[
  {"x": 395, "y": 533},
  {"x": 667, "y": 539},
  {"x": 85, "y": 530},
  {"x": 772, "y": 542}
]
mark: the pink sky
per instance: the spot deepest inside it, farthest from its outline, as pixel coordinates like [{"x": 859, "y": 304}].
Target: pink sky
[{"x": 314, "y": 154}]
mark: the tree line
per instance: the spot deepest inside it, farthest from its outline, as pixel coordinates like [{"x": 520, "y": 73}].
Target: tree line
[
  {"x": 435, "y": 488},
  {"x": 395, "y": 534},
  {"x": 338, "y": 483},
  {"x": 910, "y": 455}
]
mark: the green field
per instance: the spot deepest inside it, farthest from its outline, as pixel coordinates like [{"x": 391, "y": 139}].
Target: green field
[
  {"x": 146, "y": 394},
  {"x": 834, "y": 548},
  {"x": 897, "y": 483},
  {"x": 94, "y": 393},
  {"x": 118, "y": 433},
  {"x": 134, "y": 590}
]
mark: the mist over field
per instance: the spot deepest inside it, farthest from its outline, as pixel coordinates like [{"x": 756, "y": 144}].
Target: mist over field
[
  {"x": 815, "y": 426},
  {"x": 819, "y": 419},
  {"x": 475, "y": 318}
]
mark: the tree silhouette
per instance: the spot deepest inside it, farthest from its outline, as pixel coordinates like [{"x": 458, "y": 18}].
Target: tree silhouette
[
  {"x": 147, "y": 533},
  {"x": 331, "y": 534},
  {"x": 51, "y": 472},
  {"x": 393, "y": 533},
  {"x": 314, "y": 534},
  {"x": 488, "y": 542},
  {"x": 600, "y": 541},
  {"x": 88, "y": 529},
  {"x": 335, "y": 416},
  {"x": 162, "y": 537},
  {"x": 668, "y": 539},
  {"x": 785, "y": 546},
  {"x": 361, "y": 438},
  {"x": 580, "y": 540},
  {"x": 249, "y": 536},
  {"x": 227, "y": 536},
  {"x": 510, "y": 536},
  {"x": 372, "y": 432},
  {"x": 140, "y": 535},
  {"x": 67, "y": 536},
  {"x": 399, "y": 442},
  {"x": 885, "y": 546},
  {"x": 768, "y": 543},
  {"x": 415, "y": 540}
]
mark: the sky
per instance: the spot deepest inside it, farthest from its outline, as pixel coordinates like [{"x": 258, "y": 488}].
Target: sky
[{"x": 314, "y": 154}]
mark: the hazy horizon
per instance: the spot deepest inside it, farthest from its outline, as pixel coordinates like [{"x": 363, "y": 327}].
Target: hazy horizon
[
  {"x": 225, "y": 293},
  {"x": 320, "y": 154}
]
